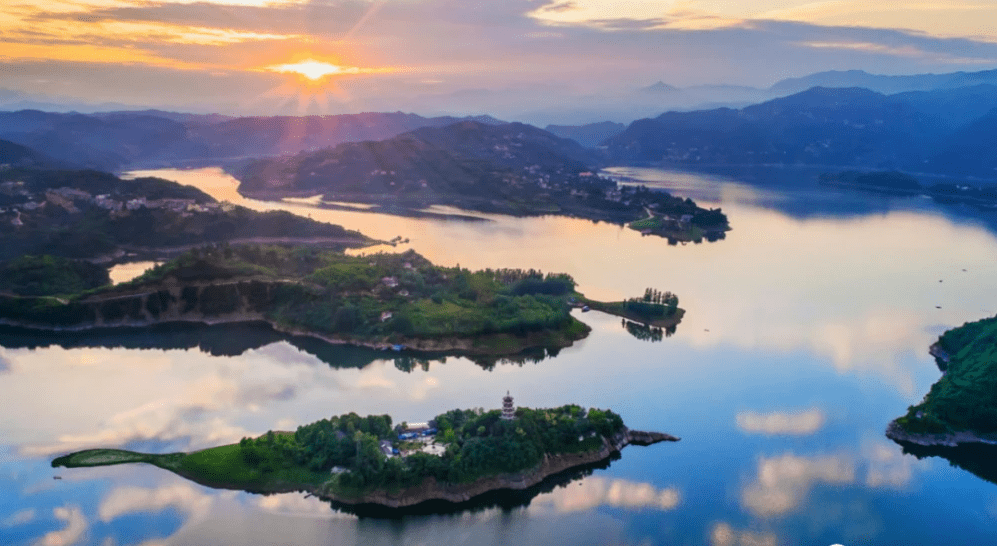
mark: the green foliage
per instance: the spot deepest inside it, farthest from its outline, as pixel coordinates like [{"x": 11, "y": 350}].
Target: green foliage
[
  {"x": 50, "y": 275},
  {"x": 76, "y": 224},
  {"x": 965, "y": 398},
  {"x": 478, "y": 444}
]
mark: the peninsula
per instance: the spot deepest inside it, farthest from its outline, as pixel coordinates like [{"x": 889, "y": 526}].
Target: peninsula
[
  {"x": 510, "y": 168},
  {"x": 353, "y": 460},
  {"x": 96, "y": 216},
  {"x": 383, "y": 301},
  {"x": 961, "y": 408}
]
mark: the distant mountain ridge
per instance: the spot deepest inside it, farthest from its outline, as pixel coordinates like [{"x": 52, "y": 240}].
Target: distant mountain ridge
[
  {"x": 940, "y": 131},
  {"x": 886, "y": 84},
  {"x": 112, "y": 140}
]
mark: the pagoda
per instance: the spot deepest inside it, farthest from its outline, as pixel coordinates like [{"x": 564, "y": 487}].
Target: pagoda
[{"x": 508, "y": 409}]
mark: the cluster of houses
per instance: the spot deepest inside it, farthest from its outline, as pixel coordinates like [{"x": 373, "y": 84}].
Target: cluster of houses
[
  {"x": 416, "y": 432},
  {"x": 68, "y": 198}
]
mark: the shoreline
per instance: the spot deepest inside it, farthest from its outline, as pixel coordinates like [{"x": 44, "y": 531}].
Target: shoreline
[
  {"x": 458, "y": 346},
  {"x": 429, "y": 491},
  {"x": 493, "y": 344},
  {"x": 948, "y": 439}
]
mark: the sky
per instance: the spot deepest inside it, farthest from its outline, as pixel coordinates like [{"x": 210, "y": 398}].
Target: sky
[{"x": 507, "y": 57}]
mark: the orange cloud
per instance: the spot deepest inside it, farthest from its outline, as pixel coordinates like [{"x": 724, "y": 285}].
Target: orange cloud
[{"x": 87, "y": 53}]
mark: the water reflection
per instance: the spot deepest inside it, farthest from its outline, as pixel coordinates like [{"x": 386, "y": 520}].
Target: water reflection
[
  {"x": 645, "y": 332},
  {"x": 802, "y": 423},
  {"x": 976, "y": 458},
  {"x": 127, "y": 271},
  {"x": 827, "y": 283},
  {"x": 236, "y": 339},
  {"x": 796, "y": 192},
  {"x": 807, "y": 331},
  {"x": 570, "y": 491}
]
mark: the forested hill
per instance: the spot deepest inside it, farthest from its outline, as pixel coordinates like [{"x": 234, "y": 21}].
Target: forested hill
[
  {"x": 469, "y": 159},
  {"x": 964, "y": 400},
  {"x": 89, "y": 214},
  {"x": 15, "y": 155},
  {"x": 938, "y": 131},
  {"x": 509, "y": 169}
]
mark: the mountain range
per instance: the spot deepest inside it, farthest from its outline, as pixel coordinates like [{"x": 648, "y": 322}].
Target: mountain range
[
  {"x": 112, "y": 140},
  {"x": 946, "y": 131}
]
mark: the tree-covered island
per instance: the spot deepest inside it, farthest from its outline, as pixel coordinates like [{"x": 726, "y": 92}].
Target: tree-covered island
[
  {"x": 399, "y": 301},
  {"x": 961, "y": 408},
  {"x": 352, "y": 460}
]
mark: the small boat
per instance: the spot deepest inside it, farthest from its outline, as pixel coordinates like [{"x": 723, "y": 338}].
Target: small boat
[{"x": 56, "y": 477}]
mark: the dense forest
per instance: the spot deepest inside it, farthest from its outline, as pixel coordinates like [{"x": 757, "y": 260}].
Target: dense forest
[
  {"x": 50, "y": 275},
  {"x": 965, "y": 397},
  {"x": 477, "y": 443}
]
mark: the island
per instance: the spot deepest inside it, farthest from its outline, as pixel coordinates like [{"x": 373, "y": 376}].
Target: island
[
  {"x": 510, "y": 168},
  {"x": 399, "y": 302},
  {"x": 356, "y": 461},
  {"x": 898, "y": 183},
  {"x": 961, "y": 408}
]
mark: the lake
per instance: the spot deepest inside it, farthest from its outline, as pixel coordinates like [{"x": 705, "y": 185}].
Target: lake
[{"x": 807, "y": 331}]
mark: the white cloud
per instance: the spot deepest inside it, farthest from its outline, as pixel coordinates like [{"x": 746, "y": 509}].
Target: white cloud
[
  {"x": 19, "y": 518},
  {"x": 76, "y": 526},
  {"x": 789, "y": 423}
]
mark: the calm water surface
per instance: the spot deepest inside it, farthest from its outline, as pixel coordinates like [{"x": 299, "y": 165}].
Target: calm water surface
[{"x": 807, "y": 331}]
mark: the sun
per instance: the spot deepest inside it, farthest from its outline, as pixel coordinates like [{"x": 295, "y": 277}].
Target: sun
[{"x": 313, "y": 70}]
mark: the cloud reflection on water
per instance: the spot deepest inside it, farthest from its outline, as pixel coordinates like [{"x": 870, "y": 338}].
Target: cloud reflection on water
[
  {"x": 76, "y": 527},
  {"x": 593, "y": 492},
  {"x": 780, "y": 422},
  {"x": 783, "y": 483}
]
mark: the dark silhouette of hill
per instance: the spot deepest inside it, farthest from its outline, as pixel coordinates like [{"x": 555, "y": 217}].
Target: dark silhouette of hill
[
  {"x": 114, "y": 140},
  {"x": 940, "y": 131},
  {"x": 885, "y": 84},
  {"x": 15, "y": 155},
  {"x": 467, "y": 159}
]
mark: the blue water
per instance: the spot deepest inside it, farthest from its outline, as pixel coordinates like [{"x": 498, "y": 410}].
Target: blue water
[{"x": 807, "y": 332}]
